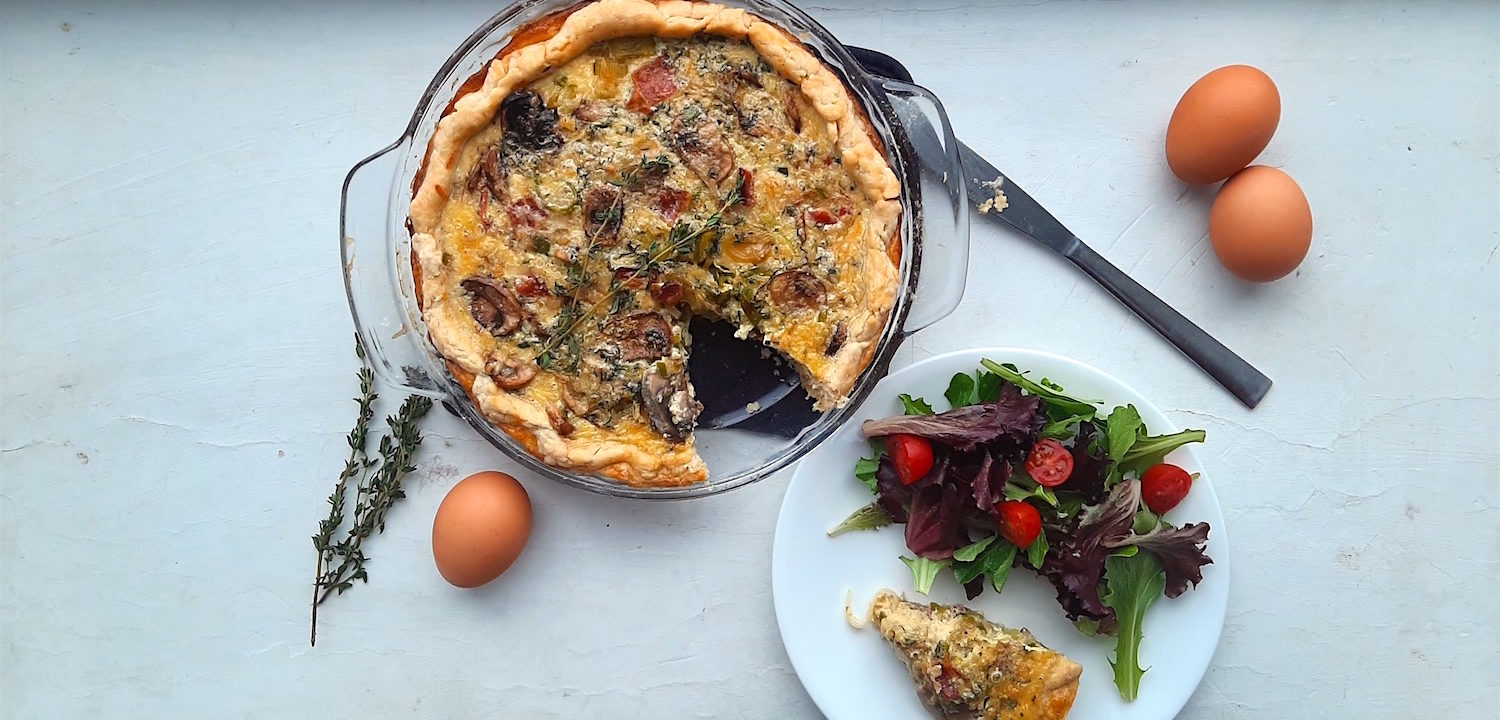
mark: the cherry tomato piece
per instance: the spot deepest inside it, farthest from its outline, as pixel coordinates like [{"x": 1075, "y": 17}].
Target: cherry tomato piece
[
  {"x": 1163, "y": 486},
  {"x": 1049, "y": 464},
  {"x": 912, "y": 455},
  {"x": 1019, "y": 522}
]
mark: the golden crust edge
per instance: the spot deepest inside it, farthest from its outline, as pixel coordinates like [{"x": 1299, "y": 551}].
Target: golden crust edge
[{"x": 584, "y": 27}]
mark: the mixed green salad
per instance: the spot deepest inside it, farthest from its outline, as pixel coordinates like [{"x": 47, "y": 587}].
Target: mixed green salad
[{"x": 1019, "y": 474}]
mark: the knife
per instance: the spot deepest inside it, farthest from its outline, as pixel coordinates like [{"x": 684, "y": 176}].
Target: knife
[{"x": 997, "y": 197}]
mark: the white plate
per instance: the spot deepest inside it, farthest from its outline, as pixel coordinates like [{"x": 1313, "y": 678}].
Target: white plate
[{"x": 854, "y": 675}]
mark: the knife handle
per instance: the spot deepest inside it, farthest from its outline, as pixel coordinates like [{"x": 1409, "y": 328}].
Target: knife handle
[{"x": 1240, "y": 378}]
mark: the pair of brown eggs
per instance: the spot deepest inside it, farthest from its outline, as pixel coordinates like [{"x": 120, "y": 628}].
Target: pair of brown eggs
[{"x": 1260, "y": 224}]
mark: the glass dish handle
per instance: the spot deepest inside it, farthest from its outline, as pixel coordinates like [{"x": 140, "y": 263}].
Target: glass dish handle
[
  {"x": 945, "y": 210},
  {"x": 376, "y": 268}
]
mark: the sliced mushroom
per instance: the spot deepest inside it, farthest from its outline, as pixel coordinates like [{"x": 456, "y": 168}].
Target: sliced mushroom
[
  {"x": 746, "y": 75},
  {"x": 796, "y": 289},
  {"x": 793, "y": 110},
  {"x": 642, "y": 336},
  {"x": 591, "y": 111},
  {"x": 493, "y": 305},
  {"x": 488, "y": 173},
  {"x": 837, "y": 340},
  {"x": 559, "y": 422},
  {"x": 670, "y": 404},
  {"x": 509, "y": 372},
  {"x": 578, "y": 405},
  {"x": 529, "y": 123},
  {"x": 603, "y": 214},
  {"x": 703, "y": 149}
]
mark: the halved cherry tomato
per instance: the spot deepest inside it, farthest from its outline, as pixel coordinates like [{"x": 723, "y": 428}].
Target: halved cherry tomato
[
  {"x": 1163, "y": 486},
  {"x": 1050, "y": 464},
  {"x": 912, "y": 455},
  {"x": 1019, "y": 522}
]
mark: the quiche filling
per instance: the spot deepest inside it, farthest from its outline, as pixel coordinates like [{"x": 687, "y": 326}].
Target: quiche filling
[
  {"x": 967, "y": 667},
  {"x": 613, "y": 196}
]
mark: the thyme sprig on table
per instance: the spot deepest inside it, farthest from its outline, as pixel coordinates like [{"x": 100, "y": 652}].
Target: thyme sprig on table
[{"x": 379, "y": 487}]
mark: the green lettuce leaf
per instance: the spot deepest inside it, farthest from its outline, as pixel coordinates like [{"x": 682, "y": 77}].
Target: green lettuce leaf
[
  {"x": 1132, "y": 584},
  {"x": 924, "y": 571},
  {"x": 1153, "y": 449},
  {"x": 1036, "y": 554},
  {"x": 915, "y": 406},
  {"x": 1121, "y": 430},
  {"x": 1050, "y": 393},
  {"x": 971, "y": 551},
  {"x": 865, "y": 469},
  {"x": 962, "y": 391},
  {"x": 869, "y": 517}
]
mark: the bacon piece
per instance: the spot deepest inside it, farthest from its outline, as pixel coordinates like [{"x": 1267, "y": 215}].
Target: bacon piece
[
  {"x": 650, "y": 84},
  {"x": 747, "y": 187},
  {"x": 667, "y": 292},
  {"x": 669, "y": 202},
  {"x": 822, "y": 217},
  {"x": 526, "y": 213}
]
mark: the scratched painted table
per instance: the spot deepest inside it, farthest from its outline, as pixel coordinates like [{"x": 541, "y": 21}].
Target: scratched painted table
[{"x": 177, "y": 367}]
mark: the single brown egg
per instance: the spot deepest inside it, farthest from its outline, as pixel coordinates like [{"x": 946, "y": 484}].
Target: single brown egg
[
  {"x": 1222, "y": 123},
  {"x": 480, "y": 529},
  {"x": 1260, "y": 224}
]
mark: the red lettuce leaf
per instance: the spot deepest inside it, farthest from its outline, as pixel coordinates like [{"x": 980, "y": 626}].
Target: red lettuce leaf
[
  {"x": 1180, "y": 550},
  {"x": 1012, "y": 421},
  {"x": 935, "y": 527},
  {"x": 893, "y": 497},
  {"x": 1090, "y": 465},
  {"x": 1075, "y": 563},
  {"x": 989, "y": 483}
]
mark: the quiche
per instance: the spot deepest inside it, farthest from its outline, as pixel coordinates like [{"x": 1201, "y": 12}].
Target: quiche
[
  {"x": 620, "y": 168},
  {"x": 967, "y": 668}
]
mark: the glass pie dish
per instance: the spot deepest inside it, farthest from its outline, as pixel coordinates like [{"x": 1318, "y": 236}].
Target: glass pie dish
[{"x": 756, "y": 421}]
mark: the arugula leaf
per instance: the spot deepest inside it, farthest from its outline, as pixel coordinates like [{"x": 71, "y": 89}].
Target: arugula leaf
[
  {"x": 1016, "y": 492},
  {"x": 1121, "y": 429},
  {"x": 924, "y": 571},
  {"x": 1127, "y": 551},
  {"x": 968, "y": 552},
  {"x": 865, "y": 469},
  {"x": 1037, "y": 553},
  {"x": 915, "y": 406},
  {"x": 1064, "y": 428},
  {"x": 999, "y": 574},
  {"x": 869, "y": 517},
  {"x": 962, "y": 391},
  {"x": 1133, "y": 584},
  {"x": 995, "y": 561},
  {"x": 1145, "y": 521},
  {"x": 988, "y": 389},
  {"x": 1152, "y": 449},
  {"x": 1053, "y": 396}
]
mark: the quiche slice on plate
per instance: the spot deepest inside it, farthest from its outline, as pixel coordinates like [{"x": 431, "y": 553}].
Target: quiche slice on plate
[
  {"x": 968, "y": 668},
  {"x": 625, "y": 166}
]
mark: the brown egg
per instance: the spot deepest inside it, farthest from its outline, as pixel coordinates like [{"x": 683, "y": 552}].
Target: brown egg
[
  {"x": 1260, "y": 224},
  {"x": 1222, "y": 123},
  {"x": 480, "y": 528}
]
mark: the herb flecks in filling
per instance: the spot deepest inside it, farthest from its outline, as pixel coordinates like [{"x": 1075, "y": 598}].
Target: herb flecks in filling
[{"x": 631, "y": 188}]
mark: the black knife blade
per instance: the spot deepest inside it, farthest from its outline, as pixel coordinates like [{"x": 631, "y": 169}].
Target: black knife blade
[{"x": 997, "y": 197}]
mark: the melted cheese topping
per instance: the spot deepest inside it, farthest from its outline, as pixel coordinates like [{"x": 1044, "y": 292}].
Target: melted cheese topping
[
  {"x": 965, "y": 664},
  {"x": 625, "y": 165},
  {"x": 785, "y": 206}
]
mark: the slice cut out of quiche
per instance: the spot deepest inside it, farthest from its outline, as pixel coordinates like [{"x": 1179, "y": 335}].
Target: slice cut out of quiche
[
  {"x": 967, "y": 668},
  {"x": 623, "y": 167}
]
